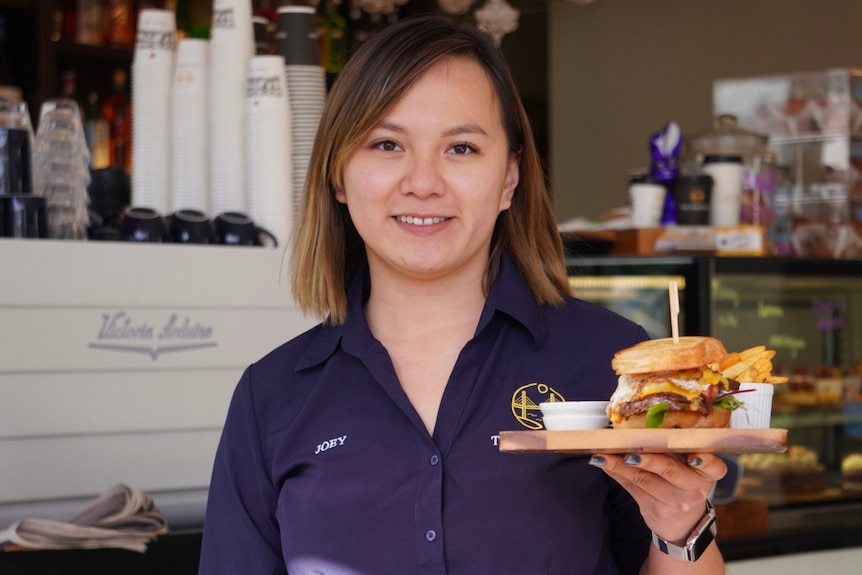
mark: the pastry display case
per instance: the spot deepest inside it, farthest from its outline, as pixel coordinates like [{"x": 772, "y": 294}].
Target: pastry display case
[{"x": 810, "y": 313}]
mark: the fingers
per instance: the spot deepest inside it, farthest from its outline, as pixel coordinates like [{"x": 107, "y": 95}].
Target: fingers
[
  {"x": 684, "y": 472},
  {"x": 667, "y": 488}
]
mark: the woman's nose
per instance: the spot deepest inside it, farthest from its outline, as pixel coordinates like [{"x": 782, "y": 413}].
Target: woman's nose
[{"x": 422, "y": 176}]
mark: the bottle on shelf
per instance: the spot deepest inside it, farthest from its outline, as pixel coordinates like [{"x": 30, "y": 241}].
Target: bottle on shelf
[
  {"x": 335, "y": 38},
  {"x": 119, "y": 24},
  {"x": 97, "y": 132},
  {"x": 117, "y": 111},
  {"x": 90, "y": 30},
  {"x": 69, "y": 28},
  {"x": 57, "y": 18},
  {"x": 69, "y": 89},
  {"x": 201, "y": 15},
  {"x": 69, "y": 85},
  {"x": 9, "y": 88}
]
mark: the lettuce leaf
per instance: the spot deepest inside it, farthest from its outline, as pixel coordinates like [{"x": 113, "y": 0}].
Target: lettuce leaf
[
  {"x": 728, "y": 402},
  {"x": 655, "y": 415}
]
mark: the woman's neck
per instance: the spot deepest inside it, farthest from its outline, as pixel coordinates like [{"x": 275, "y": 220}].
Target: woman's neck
[{"x": 405, "y": 306}]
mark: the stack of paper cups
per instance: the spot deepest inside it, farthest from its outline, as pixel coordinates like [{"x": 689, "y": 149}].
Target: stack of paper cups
[
  {"x": 189, "y": 136},
  {"x": 306, "y": 92},
  {"x": 296, "y": 41},
  {"x": 268, "y": 172},
  {"x": 152, "y": 77},
  {"x": 231, "y": 47}
]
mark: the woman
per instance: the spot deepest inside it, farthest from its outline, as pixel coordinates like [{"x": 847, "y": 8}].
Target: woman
[{"x": 428, "y": 245}]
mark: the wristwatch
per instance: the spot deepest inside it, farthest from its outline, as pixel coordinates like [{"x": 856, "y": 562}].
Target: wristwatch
[{"x": 696, "y": 543}]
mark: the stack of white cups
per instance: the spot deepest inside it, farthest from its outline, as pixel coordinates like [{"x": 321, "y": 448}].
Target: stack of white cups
[
  {"x": 268, "y": 170},
  {"x": 231, "y": 47},
  {"x": 297, "y": 41},
  {"x": 189, "y": 136},
  {"x": 306, "y": 90},
  {"x": 152, "y": 77}
]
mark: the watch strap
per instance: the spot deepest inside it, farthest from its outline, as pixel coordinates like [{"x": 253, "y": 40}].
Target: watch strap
[{"x": 701, "y": 536}]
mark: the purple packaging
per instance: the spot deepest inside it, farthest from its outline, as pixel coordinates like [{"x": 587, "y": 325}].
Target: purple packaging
[{"x": 665, "y": 146}]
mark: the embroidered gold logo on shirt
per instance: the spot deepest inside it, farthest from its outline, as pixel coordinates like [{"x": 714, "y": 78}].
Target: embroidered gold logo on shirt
[{"x": 526, "y": 400}]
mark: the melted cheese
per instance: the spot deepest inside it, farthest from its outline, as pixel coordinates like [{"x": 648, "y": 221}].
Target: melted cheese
[
  {"x": 654, "y": 387},
  {"x": 688, "y": 383}
]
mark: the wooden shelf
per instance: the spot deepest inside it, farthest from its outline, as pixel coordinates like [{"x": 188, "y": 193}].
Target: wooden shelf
[
  {"x": 17, "y": 4},
  {"x": 101, "y": 53}
]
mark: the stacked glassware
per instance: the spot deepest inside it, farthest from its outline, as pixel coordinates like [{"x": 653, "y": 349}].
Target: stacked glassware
[{"x": 61, "y": 169}]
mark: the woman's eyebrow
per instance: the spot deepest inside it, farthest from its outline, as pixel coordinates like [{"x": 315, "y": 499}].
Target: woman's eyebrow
[
  {"x": 458, "y": 130},
  {"x": 465, "y": 129}
]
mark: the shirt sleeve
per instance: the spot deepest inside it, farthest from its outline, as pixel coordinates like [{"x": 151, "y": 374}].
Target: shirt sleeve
[{"x": 241, "y": 533}]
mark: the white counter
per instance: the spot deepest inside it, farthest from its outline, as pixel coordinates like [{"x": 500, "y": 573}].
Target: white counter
[
  {"x": 117, "y": 362},
  {"x": 832, "y": 562}
]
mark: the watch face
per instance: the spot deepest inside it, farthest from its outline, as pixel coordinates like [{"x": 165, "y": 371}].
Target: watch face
[{"x": 698, "y": 545}]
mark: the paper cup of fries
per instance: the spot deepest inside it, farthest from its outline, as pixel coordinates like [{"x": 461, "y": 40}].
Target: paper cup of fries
[
  {"x": 756, "y": 410},
  {"x": 752, "y": 368}
]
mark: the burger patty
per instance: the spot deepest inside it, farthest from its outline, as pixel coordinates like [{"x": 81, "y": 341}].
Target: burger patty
[{"x": 675, "y": 402}]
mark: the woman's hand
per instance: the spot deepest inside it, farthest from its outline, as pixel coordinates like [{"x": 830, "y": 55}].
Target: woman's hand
[{"x": 671, "y": 490}]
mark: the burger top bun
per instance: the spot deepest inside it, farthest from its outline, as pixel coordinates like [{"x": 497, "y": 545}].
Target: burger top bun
[{"x": 663, "y": 354}]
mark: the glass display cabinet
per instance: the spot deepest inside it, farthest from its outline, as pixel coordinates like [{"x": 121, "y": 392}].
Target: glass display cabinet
[{"x": 810, "y": 313}]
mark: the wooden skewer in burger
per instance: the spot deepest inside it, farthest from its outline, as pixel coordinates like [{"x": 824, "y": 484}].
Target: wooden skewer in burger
[{"x": 667, "y": 383}]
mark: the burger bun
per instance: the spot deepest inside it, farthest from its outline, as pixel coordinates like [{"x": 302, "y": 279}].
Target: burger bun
[{"x": 664, "y": 354}]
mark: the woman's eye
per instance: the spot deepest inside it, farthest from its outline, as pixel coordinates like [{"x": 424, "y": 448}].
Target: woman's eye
[
  {"x": 463, "y": 149},
  {"x": 386, "y": 146}
]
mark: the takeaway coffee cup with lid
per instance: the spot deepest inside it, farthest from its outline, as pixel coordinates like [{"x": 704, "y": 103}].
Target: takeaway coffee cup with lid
[
  {"x": 296, "y": 36},
  {"x": 646, "y": 195},
  {"x": 692, "y": 194},
  {"x": 726, "y": 171}
]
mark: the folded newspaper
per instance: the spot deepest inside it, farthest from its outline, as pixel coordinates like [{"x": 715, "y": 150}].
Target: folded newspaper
[{"x": 123, "y": 517}]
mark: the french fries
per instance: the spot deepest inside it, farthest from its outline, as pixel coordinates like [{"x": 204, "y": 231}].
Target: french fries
[{"x": 752, "y": 365}]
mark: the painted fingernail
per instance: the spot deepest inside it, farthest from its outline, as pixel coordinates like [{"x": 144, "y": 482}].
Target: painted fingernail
[
  {"x": 695, "y": 461},
  {"x": 597, "y": 461},
  {"x": 632, "y": 459}
]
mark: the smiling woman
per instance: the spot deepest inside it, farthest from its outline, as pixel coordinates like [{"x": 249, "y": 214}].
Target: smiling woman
[{"x": 427, "y": 245}]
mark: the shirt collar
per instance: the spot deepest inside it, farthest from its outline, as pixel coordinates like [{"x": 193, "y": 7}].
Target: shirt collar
[{"x": 510, "y": 295}]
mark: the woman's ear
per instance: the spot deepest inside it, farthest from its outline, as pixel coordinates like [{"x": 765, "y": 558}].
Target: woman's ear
[{"x": 511, "y": 181}]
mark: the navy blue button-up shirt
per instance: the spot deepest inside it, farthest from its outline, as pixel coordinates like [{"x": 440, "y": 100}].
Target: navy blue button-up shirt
[{"x": 324, "y": 467}]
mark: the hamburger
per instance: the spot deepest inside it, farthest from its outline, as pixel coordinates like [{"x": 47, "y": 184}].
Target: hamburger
[{"x": 670, "y": 385}]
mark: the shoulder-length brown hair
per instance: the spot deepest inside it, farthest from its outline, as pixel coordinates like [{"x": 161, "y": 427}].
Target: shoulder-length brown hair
[{"x": 327, "y": 249}]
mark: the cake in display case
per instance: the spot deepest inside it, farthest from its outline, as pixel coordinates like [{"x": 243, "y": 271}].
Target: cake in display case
[{"x": 813, "y": 124}]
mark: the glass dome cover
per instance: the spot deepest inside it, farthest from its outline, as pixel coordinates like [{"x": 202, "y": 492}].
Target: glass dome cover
[{"x": 727, "y": 138}]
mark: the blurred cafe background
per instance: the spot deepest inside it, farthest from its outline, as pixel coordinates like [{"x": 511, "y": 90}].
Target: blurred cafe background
[{"x": 143, "y": 223}]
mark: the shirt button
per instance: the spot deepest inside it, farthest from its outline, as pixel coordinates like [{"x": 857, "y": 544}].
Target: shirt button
[
  {"x": 430, "y": 535},
  {"x": 434, "y": 460}
]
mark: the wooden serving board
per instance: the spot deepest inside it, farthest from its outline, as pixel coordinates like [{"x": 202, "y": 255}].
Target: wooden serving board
[{"x": 645, "y": 441}]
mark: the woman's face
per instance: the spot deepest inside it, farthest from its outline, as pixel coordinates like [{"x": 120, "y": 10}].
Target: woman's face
[{"x": 425, "y": 187}]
